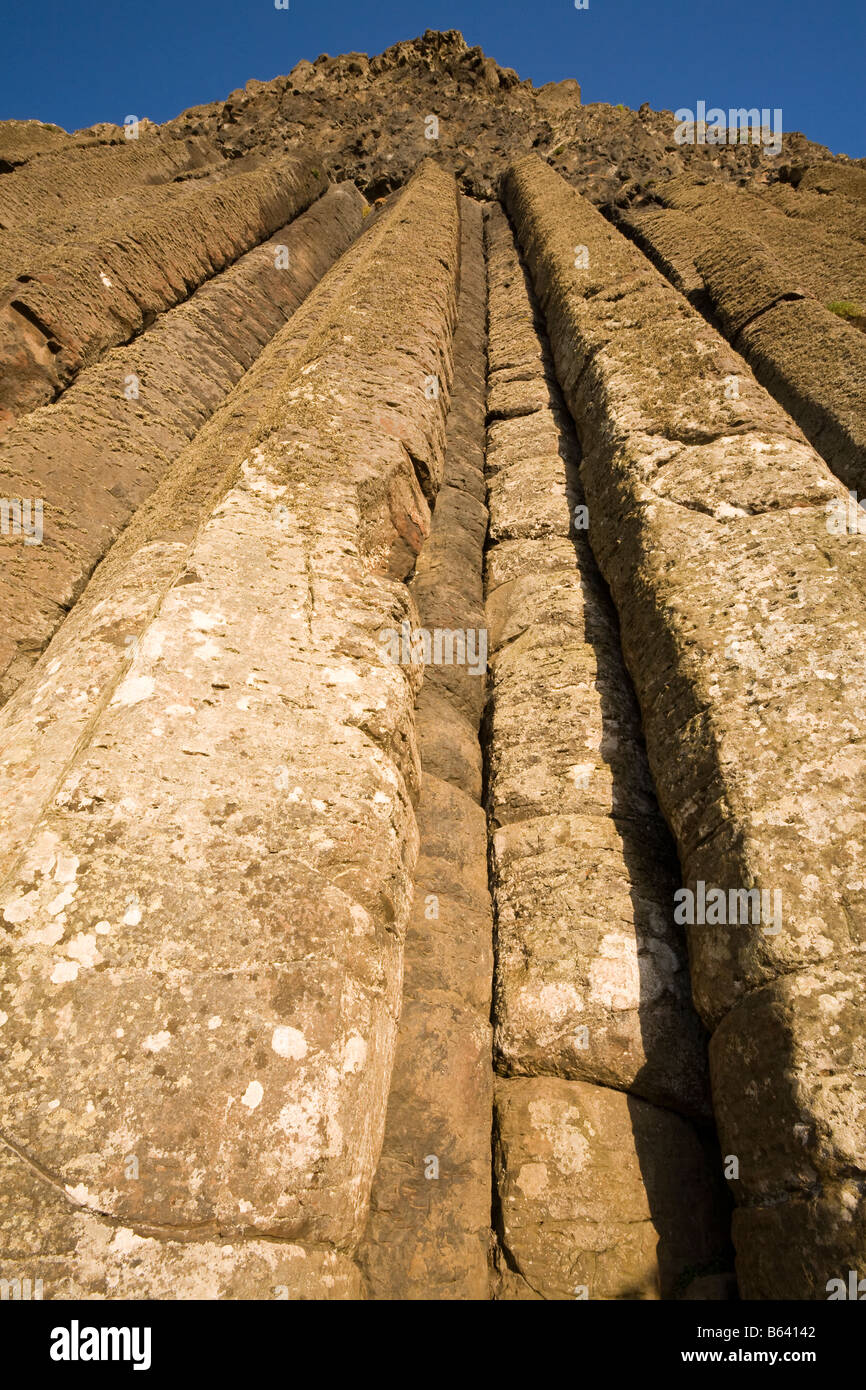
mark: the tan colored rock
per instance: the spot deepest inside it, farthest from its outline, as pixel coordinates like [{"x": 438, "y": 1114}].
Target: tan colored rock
[
  {"x": 260, "y": 971},
  {"x": 602, "y": 1196},
  {"x": 250, "y": 898},
  {"x": 591, "y": 975},
  {"x": 51, "y": 182},
  {"x": 591, "y": 979},
  {"x": 742, "y": 628},
  {"x": 794, "y": 1050},
  {"x": 808, "y": 1249},
  {"x": 90, "y": 297},
  {"x": 428, "y": 1235},
  {"x": 811, "y": 360},
  {"x": 60, "y": 1250},
  {"x": 92, "y": 458},
  {"x": 90, "y": 651},
  {"x": 770, "y": 277}
]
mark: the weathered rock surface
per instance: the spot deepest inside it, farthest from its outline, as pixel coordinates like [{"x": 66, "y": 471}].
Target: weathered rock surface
[
  {"x": 101, "y": 290},
  {"x": 95, "y": 455},
  {"x": 429, "y": 1236},
  {"x": 591, "y": 1185},
  {"x": 371, "y": 117},
  {"x": 740, "y": 614},
  {"x": 273, "y": 1003},
  {"x": 591, "y": 980},
  {"x": 777, "y": 294},
  {"x": 394, "y": 598}
]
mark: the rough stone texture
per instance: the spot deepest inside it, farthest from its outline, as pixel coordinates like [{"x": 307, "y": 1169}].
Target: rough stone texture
[
  {"x": 39, "y": 731},
  {"x": 591, "y": 1185},
  {"x": 591, "y": 982},
  {"x": 273, "y": 1000},
  {"x": 849, "y": 180},
  {"x": 840, "y": 212},
  {"x": 742, "y": 625},
  {"x": 793, "y": 1249},
  {"x": 252, "y": 1002},
  {"x": 582, "y": 866},
  {"x": 772, "y": 279},
  {"x": 92, "y": 458},
  {"x": 815, "y": 365},
  {"x": 84, "y": 297},
  {"x": 828, "y": 263},
  {"x": 80, "y": 1255},
  {"x": 795, "y": 1050},
  {"x": 428, "y": 1236},
  {"x": 49, "y": 182},
  {"x": 370, "y": 116}
]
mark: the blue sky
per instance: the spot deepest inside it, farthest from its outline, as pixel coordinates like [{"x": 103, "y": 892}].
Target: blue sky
[{"x": 84, "y": 61}]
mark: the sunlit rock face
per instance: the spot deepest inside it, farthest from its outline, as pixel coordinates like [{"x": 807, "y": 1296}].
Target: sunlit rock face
[{"x": 432, "y": 810}]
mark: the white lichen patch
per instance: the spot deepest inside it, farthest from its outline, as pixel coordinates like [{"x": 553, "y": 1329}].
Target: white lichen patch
[
  {"x": 64, "y": 972},
  {"x": 614, "y": 977},
  {"x": 556, "y": 1001},
  {"x": 340, "y": 675},
  {"x": 354, "y": 1053},
  {"x": 45, "y": 936},
  {"x": 206, "y": 622},
  {"x": 206, "y": 650},
  {"x": 570, "y": 1148},
  {"x": 155, "y": 1042},
  {"x": 252, "y": 1096},
  {"x": 133, "y": 690},
  {"x": 310, "y": 1125},
  {"x": 126, "y": 1241},
  {"x": 66, "y": 868},
  {"x": 361, "y": 918},
  {"x": 42, "y": 855},
  {"x": 289, "y": 1042},
  {"x": 61, "y": 901},
  {"x": 83, "y": 949},
  {"x": 532, "y": 1179},
  {"x": 81, "y": 1195},
  {"x": 21, "y": 909}
]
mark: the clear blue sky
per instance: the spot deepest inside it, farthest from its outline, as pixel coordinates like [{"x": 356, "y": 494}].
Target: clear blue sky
[{"x": 84, "y": 61}]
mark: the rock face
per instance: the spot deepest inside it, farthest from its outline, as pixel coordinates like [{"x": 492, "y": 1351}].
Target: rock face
[
  {"x": 429, "y": 1231},
  {"x": 432, "y": 813},
  {"x": 128, "y": 417},
  {"x": 708, "y": 516}
]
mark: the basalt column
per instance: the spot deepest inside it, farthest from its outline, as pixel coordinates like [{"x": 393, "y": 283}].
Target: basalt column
[
  {"x": 768, "y": 266},
  {"x": 742, "y": 618},
  {"x": 70, "y": 302},
  {"x": 90, "y": 459},
  {"x": 204, "y": 917},
  {"x": 429, "y": 1229},
  {"x": 607, "y": 1185}
]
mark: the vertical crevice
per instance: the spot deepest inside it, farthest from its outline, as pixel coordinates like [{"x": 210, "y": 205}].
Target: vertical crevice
[
  {"x": 428, "y": 1233},
  {"x": 597, "y": 1046}
]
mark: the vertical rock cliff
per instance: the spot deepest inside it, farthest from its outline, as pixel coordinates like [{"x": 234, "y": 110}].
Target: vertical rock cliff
[{"x": 432, "y": 770}]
